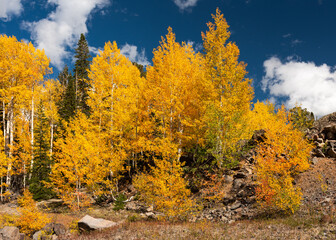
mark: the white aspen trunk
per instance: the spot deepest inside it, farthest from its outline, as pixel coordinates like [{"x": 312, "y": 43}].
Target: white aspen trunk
[
  {"x": 24, "y": 176},
  {"x": 4, "y": 125},
  {"x": 32, "y": 137},
  {"x": 1, "y": 193},
  {"x": 77, "y": 188},
  {"x": 11, "y": 137},
  {"x": 51, "y": 139},
  {"x": 180, "y": 140},
  {"x": 5, "y": 145}
]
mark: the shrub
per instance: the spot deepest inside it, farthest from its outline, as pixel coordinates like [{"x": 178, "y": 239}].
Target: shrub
[
  {"x": 282, "y": 155},
  {"x": 30, "y": 219},
  {"x": 165, "y": 188},
  {"x": 120, "y": 202}
]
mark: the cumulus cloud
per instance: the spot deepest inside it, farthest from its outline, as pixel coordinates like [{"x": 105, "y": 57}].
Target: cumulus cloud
[
  {"x": 185, "y": 4},
  {"x": 302, "y": 83},
  {"x": 131, "y": 52},
  {"x": 10, "y": 8},
  {"x": 62, "y": 28},
  {"x": 94, "y": 50},
  {"x": 196, "y": 46}
]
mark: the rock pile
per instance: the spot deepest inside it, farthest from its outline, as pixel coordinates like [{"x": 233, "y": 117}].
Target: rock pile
[
  {"x": 239, "y": 196},
  {"x": 323, "y": 135}
]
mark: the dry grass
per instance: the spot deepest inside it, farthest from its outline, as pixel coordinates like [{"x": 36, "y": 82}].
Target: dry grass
[
  {"x": 271, "y": 229},
  {"x": 315, "y": 220}
]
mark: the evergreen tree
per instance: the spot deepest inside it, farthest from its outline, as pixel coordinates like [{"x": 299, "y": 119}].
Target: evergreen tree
[
  {"x": 63, "y": 76},
  {"x": 67, "y": 108},
  {"x": 82, "y": 65},
  {"x": 42, "y": 161},
  {"x": 141, "y": 68}
]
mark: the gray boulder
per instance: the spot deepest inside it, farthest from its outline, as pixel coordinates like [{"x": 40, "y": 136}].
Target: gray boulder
[
  {"x": 42, "y": 235},
  {"x": 9, "y": 233},
  {"x": 89, "y": 223},
  {"x": 55, "y": 228}
]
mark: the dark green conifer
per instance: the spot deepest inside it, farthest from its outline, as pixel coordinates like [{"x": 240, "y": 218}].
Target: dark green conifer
[
  {"x": 67, "y": 108},
  {"x": 141, "y": 68},
  {"x": 42, "y": 162},
  {"x": 63, "y": 76},
  {"x": 82, "y": 65}
]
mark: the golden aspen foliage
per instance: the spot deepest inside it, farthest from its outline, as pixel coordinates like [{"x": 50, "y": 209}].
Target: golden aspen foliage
[
  {"x": 22, "y": 67},
  {"x": 31, "y": 219},
  {"x": 233, "y": 92},
  {"x": 165, "y": 188},
  {"x": 116, "y": 102},
  {"x": 75, "y": 160},
  {"x": 283, "y": 154},
  {"x": 179, "y": 92}
]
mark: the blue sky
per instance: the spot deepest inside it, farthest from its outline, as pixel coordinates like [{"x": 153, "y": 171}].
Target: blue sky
[{"x": 289, "y": 45}]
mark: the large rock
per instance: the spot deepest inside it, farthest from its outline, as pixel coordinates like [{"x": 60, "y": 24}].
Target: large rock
[
  {"x": 323, "y": 135},
  {"x": 9, "y": 233},
  {"x": 89, "y": 223},
  {"x": 55, "y": 228},
  {"x": 42, "y": 235}
]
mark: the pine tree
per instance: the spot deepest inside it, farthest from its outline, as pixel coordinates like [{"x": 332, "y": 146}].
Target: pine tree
[
  {"x": 81, "y": 74},
  {"x": 141, "y": 68},
  {"x": 42, "y": 161},
  {"x": 64, "y": 76},
  {"x": 67, "y": 106}
]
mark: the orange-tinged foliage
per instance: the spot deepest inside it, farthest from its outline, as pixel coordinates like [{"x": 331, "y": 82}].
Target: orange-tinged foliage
[
  {"x": 30, "y": 219},
  {"x": 282, "y": 155}
]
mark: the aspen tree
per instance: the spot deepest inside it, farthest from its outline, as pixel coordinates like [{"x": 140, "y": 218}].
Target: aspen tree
[
  {"x": 233, "y": 92},
  {"x": 21, "y": 68},
  {"x": 179, "y": 91}
]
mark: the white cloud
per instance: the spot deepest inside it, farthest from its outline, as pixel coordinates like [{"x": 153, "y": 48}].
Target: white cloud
[
  {"x": 185, "y": 4},
  {"x": 94, "y": 50},
  {"x": 10, "y": 8},
  {"x": 131, "y": 52},
  {"x": 62, "y": 28},
  {"x": 305, "y": 83},
  {"x": 295, "y": 42},
  {"x": 287, "y": 35},
  {"x": 196, "y": 46}
]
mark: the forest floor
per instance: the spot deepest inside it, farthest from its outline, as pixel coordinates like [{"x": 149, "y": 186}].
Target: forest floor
[{"x": 316, "y": 219}]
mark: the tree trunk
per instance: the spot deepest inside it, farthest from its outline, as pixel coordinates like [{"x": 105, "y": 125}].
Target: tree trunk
[
  {"x": 51, "y": 139},
  {"x": 10, "y": 130},
  {"x": 32, "y": 138}
]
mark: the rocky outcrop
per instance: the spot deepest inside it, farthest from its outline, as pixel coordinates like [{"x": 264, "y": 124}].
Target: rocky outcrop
[
  {"x": 239, "y": 199},
  {"x": 323, "y": 136}
]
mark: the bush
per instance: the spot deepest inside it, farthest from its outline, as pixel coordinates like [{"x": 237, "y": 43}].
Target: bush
[
  {"x": 282, "y": 155},
  {"x": 165, "y": 188},
  {"x": 120, "y": 202},
  {"x": 30, "y": 219}
]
